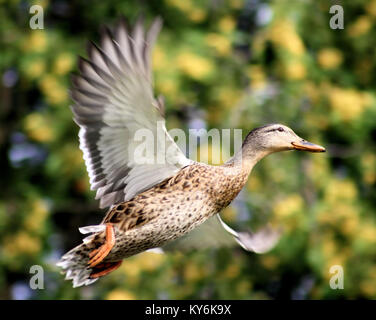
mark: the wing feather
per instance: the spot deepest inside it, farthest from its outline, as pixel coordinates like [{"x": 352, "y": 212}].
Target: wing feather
[
  {"x": 113, "y": 99},
  {"x": 214, "y": 233}
]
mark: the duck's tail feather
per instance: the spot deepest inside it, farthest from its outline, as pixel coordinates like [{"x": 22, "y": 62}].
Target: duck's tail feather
[{"x": 74, "y": 263}]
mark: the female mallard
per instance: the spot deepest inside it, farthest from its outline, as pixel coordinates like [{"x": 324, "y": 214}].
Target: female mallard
[{"x": 158, "y": 202}]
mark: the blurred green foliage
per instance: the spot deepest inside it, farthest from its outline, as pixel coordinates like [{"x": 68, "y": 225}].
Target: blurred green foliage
[{"x": 244, "y": 63}]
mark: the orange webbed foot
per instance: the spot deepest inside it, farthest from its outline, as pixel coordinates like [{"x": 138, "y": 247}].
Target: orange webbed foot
[
  {"x": 97, "y": 255},
  {"x": 104, "y": 268}
]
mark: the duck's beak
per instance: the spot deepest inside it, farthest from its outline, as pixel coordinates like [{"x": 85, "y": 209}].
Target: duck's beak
[{"x": 307, "y": 146}]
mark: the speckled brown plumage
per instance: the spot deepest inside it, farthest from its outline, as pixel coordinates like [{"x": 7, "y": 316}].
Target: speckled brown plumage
[{"x": 171, "y": 208}]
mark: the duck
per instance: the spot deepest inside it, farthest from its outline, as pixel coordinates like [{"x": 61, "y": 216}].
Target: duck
[{"x": 166, "y": 201}]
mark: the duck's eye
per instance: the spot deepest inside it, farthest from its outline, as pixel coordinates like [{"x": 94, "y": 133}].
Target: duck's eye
[{"x": 280, "y": 129}]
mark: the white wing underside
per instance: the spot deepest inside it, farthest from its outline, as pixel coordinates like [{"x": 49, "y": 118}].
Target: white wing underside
[
  {"x": 114, "y": 100},
  {"x": 214, "y": 233}
]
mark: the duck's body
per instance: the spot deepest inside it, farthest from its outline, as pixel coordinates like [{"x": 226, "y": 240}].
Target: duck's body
[
  {"x": 162, "y": 214},
  {"x": 153, "y": 203},
  {"x": 172, "y": 208}
]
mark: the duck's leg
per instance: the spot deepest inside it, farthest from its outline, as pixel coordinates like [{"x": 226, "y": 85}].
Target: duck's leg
[
  {"x": 97, "y": 255},
  {"x": 102, "y": 269}
]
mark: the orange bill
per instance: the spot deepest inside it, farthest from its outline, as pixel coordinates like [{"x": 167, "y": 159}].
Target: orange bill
[{"x": 307, "y": 146}]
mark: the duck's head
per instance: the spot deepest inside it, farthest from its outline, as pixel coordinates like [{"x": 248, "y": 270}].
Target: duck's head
[{"x": 277, "y": 137}]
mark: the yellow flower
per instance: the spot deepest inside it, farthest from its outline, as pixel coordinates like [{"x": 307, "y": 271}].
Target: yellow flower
[
  {"x": 231, "y": 272},
  {"x": 36, "y": 41},
  {"x": 283, "y": 34},
  {"x": 368, "y": 288},
  {"x": 219, "y": 43},
  {"x": 330, "y": 58},
  {"x": 227, "y": 96},
  {"x": 339, "y": 191},
  {"x": 194, "y": 66},
  {"x": 361, "y": 26},
  {"x": 259, "y": 42},
  {"x": 226, "y": 24},
  {"x": 34, "y": 221},
  {"x": 371, "y": 8},
  {"x": 63, "y": 63},
  {"x": 257, "y": 76},
  {"x": 370, "y": 178},
  {"x": 168, "y": 86},
  {"x": 295, "y": 70},
  {"x": 42, "y": 3},
  {"x": 236, "y": 4},
  {"x": 54, "y": 92},
  {"x": 184, "y": 6},
  {"x": 120, "y": 294},
  {"x": 38, "y": 127},
  {"x": 48, "y": 83},
  {"x": 59, "y": 95},
  {"x": 34, "y": 69},
  {"x": 131, "y": 270},
  {"x": 159, "y": 58},
  {"x": 348, "y": 104},
  {"x": 344, "y": 216},
  {"x": 318, "y": 120},
  {"x": 319, "y": 170},
  {"x": 270, "y": 262},
  {"x": 367, "y": 232},
  {"x": 150, "y": 261},
  {"x": 21, "y": 243},
  {"x": 134, "y": 266},
  {"x": 368, "y": 285},
  {"x": 72, "y": 155},
  {"x": 193, "y": 12},
  {"x": 243, "y": 287},
  {"x": 349, "y": 226},
  {"x": 192, "y": 272},
  {"x": 289, "y": 206},
  {"x": 254, "y": 183},
  {"x": 312, "y": 91},
  {"x": 328, "y": 245},
  {"x": 368, "y": 161},
  {"x": 197, "y": 14},
  {"x": 229, "y": 214}
]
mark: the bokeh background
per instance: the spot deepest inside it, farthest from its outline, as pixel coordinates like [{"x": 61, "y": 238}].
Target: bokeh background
[{"x": 220, "y": 64}]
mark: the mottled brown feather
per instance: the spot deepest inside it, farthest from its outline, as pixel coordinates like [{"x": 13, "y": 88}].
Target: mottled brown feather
[{"x": 173, "y": 207}]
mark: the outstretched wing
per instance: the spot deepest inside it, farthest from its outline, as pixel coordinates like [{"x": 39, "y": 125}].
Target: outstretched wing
[
  {"x": 214, "y": 233},
  {"x": 123, "y": 136}
]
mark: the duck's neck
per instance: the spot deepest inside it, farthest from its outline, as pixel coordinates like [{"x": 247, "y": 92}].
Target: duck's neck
[{"x": 246, "y": 158}]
